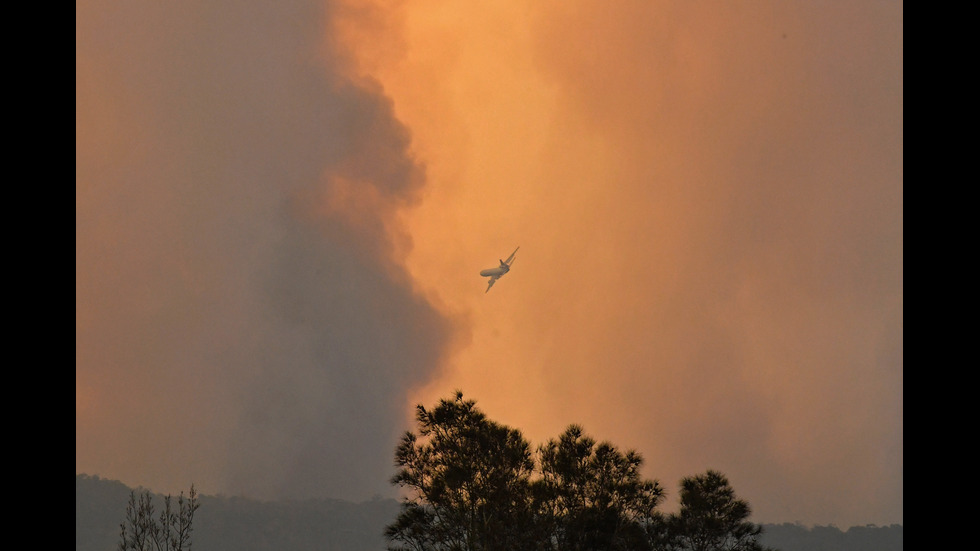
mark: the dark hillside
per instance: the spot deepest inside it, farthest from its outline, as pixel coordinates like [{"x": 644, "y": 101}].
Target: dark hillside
[
  {"x": 794, "y": 537},
  {"x": 100, "y": 507},
  {"x": 241, "y": 524},
  {"x": 226, "y": 523}
]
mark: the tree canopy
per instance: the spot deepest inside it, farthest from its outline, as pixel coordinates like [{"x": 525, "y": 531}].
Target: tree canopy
[
  {"x": 711, "y": 518},
  {"x": 469, "y": 481},
  {"x": 594, "y": 496},
  {"x": 475, "y": 485}
]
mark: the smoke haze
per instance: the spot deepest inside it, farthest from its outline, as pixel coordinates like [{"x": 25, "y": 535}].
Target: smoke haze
[
  {"x": 241, "y": 321},
  {"x": 281, "y": 212}
]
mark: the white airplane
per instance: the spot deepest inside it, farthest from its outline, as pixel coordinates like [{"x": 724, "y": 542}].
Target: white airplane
[{"x": 495, "y": 273}]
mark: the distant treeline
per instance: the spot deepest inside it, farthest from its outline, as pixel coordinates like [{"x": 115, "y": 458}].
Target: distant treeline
[
  {"x": 240, "y": 524},
  {"x": 794, "y": 537}
]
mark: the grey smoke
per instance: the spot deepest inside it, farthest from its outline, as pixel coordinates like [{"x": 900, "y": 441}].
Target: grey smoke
[{"x": 242, "y": 320}]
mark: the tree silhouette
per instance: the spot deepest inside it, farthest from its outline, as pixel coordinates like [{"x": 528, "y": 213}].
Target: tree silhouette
[
  {"x": 594, "y": 496},
  {"x": 140, "y": 531},
  {"x": 711, "y": 518},
  {"x": 469, "y": 482},
  {"x": 473, "y": 485}
]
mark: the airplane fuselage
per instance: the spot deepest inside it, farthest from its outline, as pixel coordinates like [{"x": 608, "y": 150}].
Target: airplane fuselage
[{"x": 498, "y": 271}]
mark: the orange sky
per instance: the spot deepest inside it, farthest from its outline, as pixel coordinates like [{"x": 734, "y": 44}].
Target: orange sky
[{"x": 708, "y": 200}]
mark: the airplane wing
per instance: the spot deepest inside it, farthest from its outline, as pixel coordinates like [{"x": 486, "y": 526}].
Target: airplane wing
[{"x": 503, "y": 269}]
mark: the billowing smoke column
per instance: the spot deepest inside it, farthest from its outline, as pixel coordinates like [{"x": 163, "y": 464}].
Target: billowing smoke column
[{"x": 243, "y": 321}]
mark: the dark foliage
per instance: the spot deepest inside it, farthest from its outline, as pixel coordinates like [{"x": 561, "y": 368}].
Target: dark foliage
[
  {"x": 593, "y": 497},
  {"x": 473, "y": 485},
  {"x": 468, "y": 480},
  {"x": 712, "y": 518}
]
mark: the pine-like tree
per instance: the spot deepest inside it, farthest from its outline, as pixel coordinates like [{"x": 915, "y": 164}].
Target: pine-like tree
[{"x": 711, "y": 518}]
